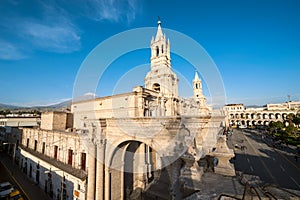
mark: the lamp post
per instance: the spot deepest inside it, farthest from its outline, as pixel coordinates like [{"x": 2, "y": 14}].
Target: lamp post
[
  {"x": 14, "y": 151},
  {"x": 62, "y": 181}
]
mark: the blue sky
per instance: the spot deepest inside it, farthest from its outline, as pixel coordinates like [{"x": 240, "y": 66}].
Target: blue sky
[{"x": 255, "y": 44}]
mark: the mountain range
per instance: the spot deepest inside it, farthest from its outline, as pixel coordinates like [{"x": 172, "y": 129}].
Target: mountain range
[{"x": 54, "y": 107}]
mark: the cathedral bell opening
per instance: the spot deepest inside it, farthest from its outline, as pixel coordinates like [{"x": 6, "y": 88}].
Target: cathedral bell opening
[{"x": 156, "y": 87}]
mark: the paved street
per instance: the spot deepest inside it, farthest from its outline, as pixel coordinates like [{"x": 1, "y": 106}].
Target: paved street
[
  {"x": 11, "y": 173},
  {"x": 259, "y": 158}
]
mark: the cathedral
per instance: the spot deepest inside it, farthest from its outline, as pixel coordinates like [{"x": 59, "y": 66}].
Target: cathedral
[
  {"x": 143, "y": 144},
  {"x": 148, "y": 137}
]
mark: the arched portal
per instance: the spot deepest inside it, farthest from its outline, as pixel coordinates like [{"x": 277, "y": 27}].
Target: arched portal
[{"x": 132, "y": 168}]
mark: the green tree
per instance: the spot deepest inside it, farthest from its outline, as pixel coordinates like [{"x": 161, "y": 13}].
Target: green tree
[
  {"x": 296, "y": 120},
  {"x": 290, "y": 118},
  {"x": 275, "y": 126},
  {"x": 291, "y": 130}
]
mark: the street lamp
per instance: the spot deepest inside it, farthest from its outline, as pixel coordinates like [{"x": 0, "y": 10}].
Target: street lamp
[
  {"x": 14, "y": 152},
  {"x": 62, "y": 181}
]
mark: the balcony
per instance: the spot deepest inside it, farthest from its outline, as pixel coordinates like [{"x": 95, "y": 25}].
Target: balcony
[{"x": 81, "y": 174}]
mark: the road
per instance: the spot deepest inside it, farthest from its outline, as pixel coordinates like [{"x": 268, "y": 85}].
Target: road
[
  {"x": 11, "y": 173},
  {"x": 271, "y": 165},
  {"x": 5, "y": 175}
]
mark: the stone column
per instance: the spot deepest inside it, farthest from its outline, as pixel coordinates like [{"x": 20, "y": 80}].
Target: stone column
[
  {"x": 100, "y": 171},
  {"x": 91, "y": 174},
  {"x": 107, "y": 185}
]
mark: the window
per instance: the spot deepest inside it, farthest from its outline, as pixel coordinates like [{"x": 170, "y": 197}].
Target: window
[
  {"x": 27, "y": 143},
  {"x": 156, "y": 87},
  {"x": 157, "y": 51},
  {"x": 43, "y": 148},
  {"x": 55, "y": 151},
  {"x": 70, "y": 156},
  {"x": 83, "y": 161},
  {"x": 35, "y": 144}
]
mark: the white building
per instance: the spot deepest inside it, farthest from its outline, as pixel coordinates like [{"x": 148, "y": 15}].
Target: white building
[
  {"x": 124, "y": 145},
  {"x": 54, "y": 157},
  {"x": 240, "y": 116},
  {"x": 156, "y": 126}
]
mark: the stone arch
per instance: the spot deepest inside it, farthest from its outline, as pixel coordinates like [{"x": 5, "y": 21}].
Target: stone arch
[
  {"x": 265, "y": 116},
  {"x": 284, "y": 116},
  {"x": 132, "y": 166},
  {"x": 248, "y": 116},
  {"x": 248, "y": 123},
  {"x": 266, "y": 123},
  {"x": 232, "y": 116},
  {"x": 271, "y": 116},
  {"x": 237, "y": 116},
  {"x": 253, "y": 116},
  {"x": 259, "y": 115},
  {"x": 277, "y": 116}
]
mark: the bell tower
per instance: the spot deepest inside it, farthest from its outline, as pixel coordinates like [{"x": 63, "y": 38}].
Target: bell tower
[
  {"x": 160, "y": 49},
  {"x": 161, "y": 78},
  {"x": 198, "y": 93}
]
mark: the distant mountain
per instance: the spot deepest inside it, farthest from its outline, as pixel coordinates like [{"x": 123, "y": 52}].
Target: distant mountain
[
  {"x": 6, "y": 106},
  {"x": 55, "y": 107},
  {"x": 66, "y": 105}
]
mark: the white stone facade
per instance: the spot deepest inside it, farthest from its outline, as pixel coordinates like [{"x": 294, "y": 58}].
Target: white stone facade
[
  {"x": 56, "y": 160},
  {"x": 239, "y": 115},
  {"x": 139, "y": 135},
  {"x": 129, "y": 142}
]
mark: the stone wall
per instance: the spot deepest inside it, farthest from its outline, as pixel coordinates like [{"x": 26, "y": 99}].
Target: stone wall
[{"x": 56, "y": 121}]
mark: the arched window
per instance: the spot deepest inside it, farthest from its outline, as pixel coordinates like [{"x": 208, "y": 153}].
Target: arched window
[
  {"x": 157, "y": 51},
  {"x": 162, "y": 48},
  {"x": 196, "y": 85},
  {"x": 156, "y": 87}
]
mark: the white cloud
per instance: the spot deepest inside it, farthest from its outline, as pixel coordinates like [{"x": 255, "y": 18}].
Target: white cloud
[
  {"x": 112, "y": 10},
  {"x": 9, "y": 51},
  {"x": 60, "y": 38},
  {"x": 51, "y": 26}
]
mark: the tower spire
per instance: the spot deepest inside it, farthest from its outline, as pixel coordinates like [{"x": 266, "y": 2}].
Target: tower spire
[
  {"x": 159, "y": 33},
  {"x": 196, "y": 76},
  {"x": 161, "y": 78}
]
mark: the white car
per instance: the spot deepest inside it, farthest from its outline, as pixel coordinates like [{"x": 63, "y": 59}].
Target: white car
[{"x": 5, "y": 189}]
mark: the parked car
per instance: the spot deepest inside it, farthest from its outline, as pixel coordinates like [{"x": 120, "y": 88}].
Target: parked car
[
  {"x": 5, "y": 189},
  {"x": 15, "y": 195}
]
